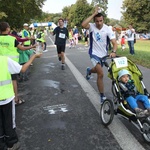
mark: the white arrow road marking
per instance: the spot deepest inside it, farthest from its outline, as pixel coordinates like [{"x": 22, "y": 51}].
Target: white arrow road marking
[{"x": 56, "y": 108}]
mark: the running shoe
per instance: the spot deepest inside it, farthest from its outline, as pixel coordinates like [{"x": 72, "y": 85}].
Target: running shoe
[
  {"x": 88, "y": 74},
  {"x": 102, "y": 98},
  {"x": 140, "y": 113},
  {"x": 45, "y": 50},
  {"x": 16, "y": 146},
  {"x": 63, "y": 67}
]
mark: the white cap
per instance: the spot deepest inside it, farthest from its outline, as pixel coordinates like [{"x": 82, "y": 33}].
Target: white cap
[
  {"x": 25, "y": 24},
  {"x": 122, "y": 72}
]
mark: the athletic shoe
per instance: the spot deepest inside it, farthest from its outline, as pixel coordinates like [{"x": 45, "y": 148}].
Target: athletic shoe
[
  {"x": 140, "y": 113},
  {"x": 26, "y": 79},
  {"x": 16, "y": 146},
  {"x": 102, "y": 98},
  {"x": 88, "y": 74},
  {"x": 63, "y": 67},
  {"x": 147, "y": 112},
  {"x": 45, "y": 50}
]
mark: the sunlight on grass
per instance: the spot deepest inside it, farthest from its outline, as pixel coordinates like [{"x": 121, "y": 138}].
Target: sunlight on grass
[{"x": 142, "y": 53}]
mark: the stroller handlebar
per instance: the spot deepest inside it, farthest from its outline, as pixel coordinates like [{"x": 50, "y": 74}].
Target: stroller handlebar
[{"x": 107, "y": 57}]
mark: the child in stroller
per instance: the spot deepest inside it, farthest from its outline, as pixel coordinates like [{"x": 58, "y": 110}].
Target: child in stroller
[
  {"x": 131, "y": 95},
  {"x": 120, "y": 104}
]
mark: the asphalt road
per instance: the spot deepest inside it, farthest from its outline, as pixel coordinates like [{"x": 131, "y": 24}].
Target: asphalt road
[{"x": 61, "y": 111}]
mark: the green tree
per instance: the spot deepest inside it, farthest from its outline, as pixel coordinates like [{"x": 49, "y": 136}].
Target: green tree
[
  {"x": 82, "y": 11},
  {"x": 70, "y": 17},
  {"x": 113, "y": 22},
  {"x": 20, "y": 11},
  {"x": 77, "y": 12},
  {"x": 2, "y": 14},
  {"x": 102, "y": 4},
  {"x": 137, "y": 13},
  {"x": 66, "y": 11}
]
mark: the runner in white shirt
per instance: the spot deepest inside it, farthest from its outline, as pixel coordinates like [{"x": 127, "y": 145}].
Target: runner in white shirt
[
  {"x": 99, "y": 34},
  {"x": 99, "y": 39}
]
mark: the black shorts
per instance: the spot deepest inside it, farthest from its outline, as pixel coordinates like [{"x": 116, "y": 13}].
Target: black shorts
[
  {"x": 86, "y": 39},
  {"x": 39, "y": 41},
  {"x": 14, "y": 76},
  {"x": 61, "y": 48}
]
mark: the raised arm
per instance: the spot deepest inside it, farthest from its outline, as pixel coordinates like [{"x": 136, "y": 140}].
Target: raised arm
[{"x": 85, "y": 24}]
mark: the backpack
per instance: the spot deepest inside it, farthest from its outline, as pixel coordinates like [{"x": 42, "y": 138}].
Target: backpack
[{"x": 39, "y": 35}]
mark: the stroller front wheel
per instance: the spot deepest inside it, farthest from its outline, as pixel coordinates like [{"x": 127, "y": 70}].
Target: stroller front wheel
[
  {"x": 146, "y": 130},
  {"x": 107, "y": 112}
]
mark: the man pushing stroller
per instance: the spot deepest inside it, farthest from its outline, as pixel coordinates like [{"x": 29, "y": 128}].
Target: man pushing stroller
[{"x": 131, "y": 95}]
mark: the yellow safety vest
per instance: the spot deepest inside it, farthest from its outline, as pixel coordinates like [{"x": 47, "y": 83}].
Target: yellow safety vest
[
  {"x": 7, "y": 47},
  {"x": 27, "y": 42},
  {"x": 6, "y": 87},
  {"x": 42, "y": 39}
]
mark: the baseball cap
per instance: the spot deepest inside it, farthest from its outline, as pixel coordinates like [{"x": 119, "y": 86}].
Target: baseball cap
[{"x": 25, "y": 24}]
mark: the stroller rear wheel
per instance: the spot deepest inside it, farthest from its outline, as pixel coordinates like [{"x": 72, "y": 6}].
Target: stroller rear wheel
[
  {"x": 107, "y": 112},
  {"x": 146, "y": 130}
]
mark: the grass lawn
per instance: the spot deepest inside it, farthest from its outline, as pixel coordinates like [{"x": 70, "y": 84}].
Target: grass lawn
[{"x": 142, "y": 53}]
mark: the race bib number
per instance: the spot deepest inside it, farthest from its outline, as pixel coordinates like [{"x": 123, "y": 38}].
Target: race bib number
[
  {"x": 121, "y": 62},
  {"x": 62, "y": 35}
]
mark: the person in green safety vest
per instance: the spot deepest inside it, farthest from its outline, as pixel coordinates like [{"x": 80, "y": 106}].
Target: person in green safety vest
[
  {"x": 41, "y": 37},
  {"x": 26, "y": 33},
  {"x": 8, "y": 47},
  {"x": 8, "y": 136}
]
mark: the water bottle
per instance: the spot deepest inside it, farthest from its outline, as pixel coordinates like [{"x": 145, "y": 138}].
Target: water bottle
[
  {"x": 96, "y": 4},
  {"x": 38, "y": 48},
  {"x": 99, "y": 10}
]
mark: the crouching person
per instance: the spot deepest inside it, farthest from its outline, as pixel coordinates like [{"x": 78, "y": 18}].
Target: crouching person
[{"x": 8, "y": 135}]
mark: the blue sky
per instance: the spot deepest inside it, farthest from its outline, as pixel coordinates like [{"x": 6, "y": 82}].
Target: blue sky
[{"x": 55, "y": 6}]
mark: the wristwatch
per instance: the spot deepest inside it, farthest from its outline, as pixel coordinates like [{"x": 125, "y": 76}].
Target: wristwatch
[{"x": 113, "y": 51}]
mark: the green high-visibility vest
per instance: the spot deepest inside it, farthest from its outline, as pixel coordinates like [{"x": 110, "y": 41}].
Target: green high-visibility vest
[
  {"x": 27, "y": 42},
  {"x": 6, "y": 87},
  {"x": 7, "y": 47},
  {"x": 42, "y": 37}
]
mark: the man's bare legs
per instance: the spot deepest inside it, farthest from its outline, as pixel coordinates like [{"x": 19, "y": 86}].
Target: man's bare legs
[
  {"x": 63, "y": 60},
  {"x": 98, "y": 69},
  {"x": 62, "y": 57}
]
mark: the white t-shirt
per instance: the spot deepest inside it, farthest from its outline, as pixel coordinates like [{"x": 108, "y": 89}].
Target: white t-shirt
[
  {"x": 99, "y": 39},
  {"x": 130, "y": 35},
  {"x": 13, "y": 68}
]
